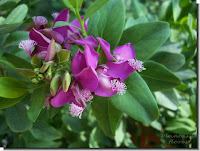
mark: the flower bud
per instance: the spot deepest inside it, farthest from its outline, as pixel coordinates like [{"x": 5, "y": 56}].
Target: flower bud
[
  {"x": 55, "y": 84},
  {"x": 48, "y": 74},
  {"x": 40, "y": 77},
  {"x": 35, "y": 81},
  {"x": 37, "y": 70},
  {"x": 66, "y": 81},
  {"x": 46, "y": 66},
  {"x": 62, "y": 56}
]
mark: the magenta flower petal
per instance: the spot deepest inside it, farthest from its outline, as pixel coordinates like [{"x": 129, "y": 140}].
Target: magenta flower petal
[
  {"x": 39, "y": 38},
  {"x": 40, "y": 52},
  {"x": 67, "y": 45},
  {"x": 62, "y": 30},
  {"x": 53, "y": 35},
  {"x": 124, "y": 52},
  {"x": 100, "y": 92},
  {"x": 119, "y": 69},
  {"x": 77, "y": 24},
  {"x": 63, "y": 16},
  {"x": 106, "y": 48},
  {"x": 90, "y": 40},
  {"x": 91, "y": 56},
  {"x": 88, "y": 78},
  {"x": 39, "y": 21},
  {"x": 62, "y": 98},
  {"x": 78, "y": 63}
]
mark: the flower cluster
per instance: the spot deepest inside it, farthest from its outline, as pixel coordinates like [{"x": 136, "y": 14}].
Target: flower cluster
[{"x": 85, "y": 75}]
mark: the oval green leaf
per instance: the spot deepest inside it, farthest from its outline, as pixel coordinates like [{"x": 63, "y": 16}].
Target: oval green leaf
[
  {"x": 173, "y": 61},
  {"x": 12, "y": 88},
  {"x": 158, "y": 77},
  {"x": 43, "y": 131},
  {"x": 167, "y": 99},
  {"x": 38, "y": 99},
  {"x": 146, "y": 38},
  {"x": 183, "y": 126},
  {"x": 106, "y": 115},
  {"x": 6, "y": 102},
  {"x": 17, "y": 119},
  {"x": 111, "y": 22},
  {"x": 17, "y": 15},
  {"x": 138, "y": 101},
  {"x": 18, "y": 62},
  {"x": 94, "y": 7}
]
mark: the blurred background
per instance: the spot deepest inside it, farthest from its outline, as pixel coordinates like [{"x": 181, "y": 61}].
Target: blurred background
[{"x": 176, "y": 126}]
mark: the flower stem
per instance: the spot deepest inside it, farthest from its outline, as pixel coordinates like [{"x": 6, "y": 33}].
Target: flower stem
[{"x": 81, "y": 22}]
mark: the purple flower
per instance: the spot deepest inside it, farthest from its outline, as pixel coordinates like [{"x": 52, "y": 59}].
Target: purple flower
[
  {"x": 83, "y": 68},
  {"x": 42, "y": 40},
  {"x": 76, "y": 96},
  {"x": 71, "y": 34},
  {"x": 112, "y": 74},
  {"x": 86, "y": 81}
]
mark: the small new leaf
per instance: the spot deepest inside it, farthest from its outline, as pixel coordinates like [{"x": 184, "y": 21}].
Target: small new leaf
[
  {"x": 63, "y": 56},
  {"x": 26, "y": 72}
]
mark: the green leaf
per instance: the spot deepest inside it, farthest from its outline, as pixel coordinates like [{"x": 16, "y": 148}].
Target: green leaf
[
  {"x": 6, "y": 28},
  {"x": 106, "y": 115},
  {"x": 26, "y": 72},
  {"x": 31, "y": 142},
  {"x": 7, "y": 102},
  {"x": 3, "y": 125},
  {"x": 176, "y": 9},
  {"x": 73, "y": 124},
  {"x": 98, "y": 139},
  {"x": 167, "y": 99},
  {"x": 7, "y": 4},
  {"x": 17, "y": 15},
  {"x": 185, "y": 74},
  {"x": 94, "y": 19},
  {"x": 111, "y": 22},
  {"x": 1, "y": 19},
  {"x": 120, "y": 133},
  {"x": 173, "y": 61},
  {"x": 131, "y": 21},
  {"x": 184, "y": 109},
  {"x": 138, "y": 9},
  {"x": 17, "y": 119},
  {"x": 17, "y": 62},
  {"x": 63, "y": 56},
  {"x": 76, "y": 3},
  {"x": 165, "y": 10},
  {"x": 62, "y": 23},
  {"x": 38, "y": 99},
  {"x": 156, "y": 125},
  {"x": 138, "y": 101},
  {"x": 94, "y": 7},
  {"x": 183, "y": 126},
  {"x": 146, "y": 38},
  {"x": 43, "y": 131},
  {"x": 12, "y": 88},
  {"x": 15, "y": 38},
  {"x": 128, "y": 141},
  {"x": 52, "y": 111},
  {"x": 67, "y": 5},
  {"x": 159, "y": 77}
]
